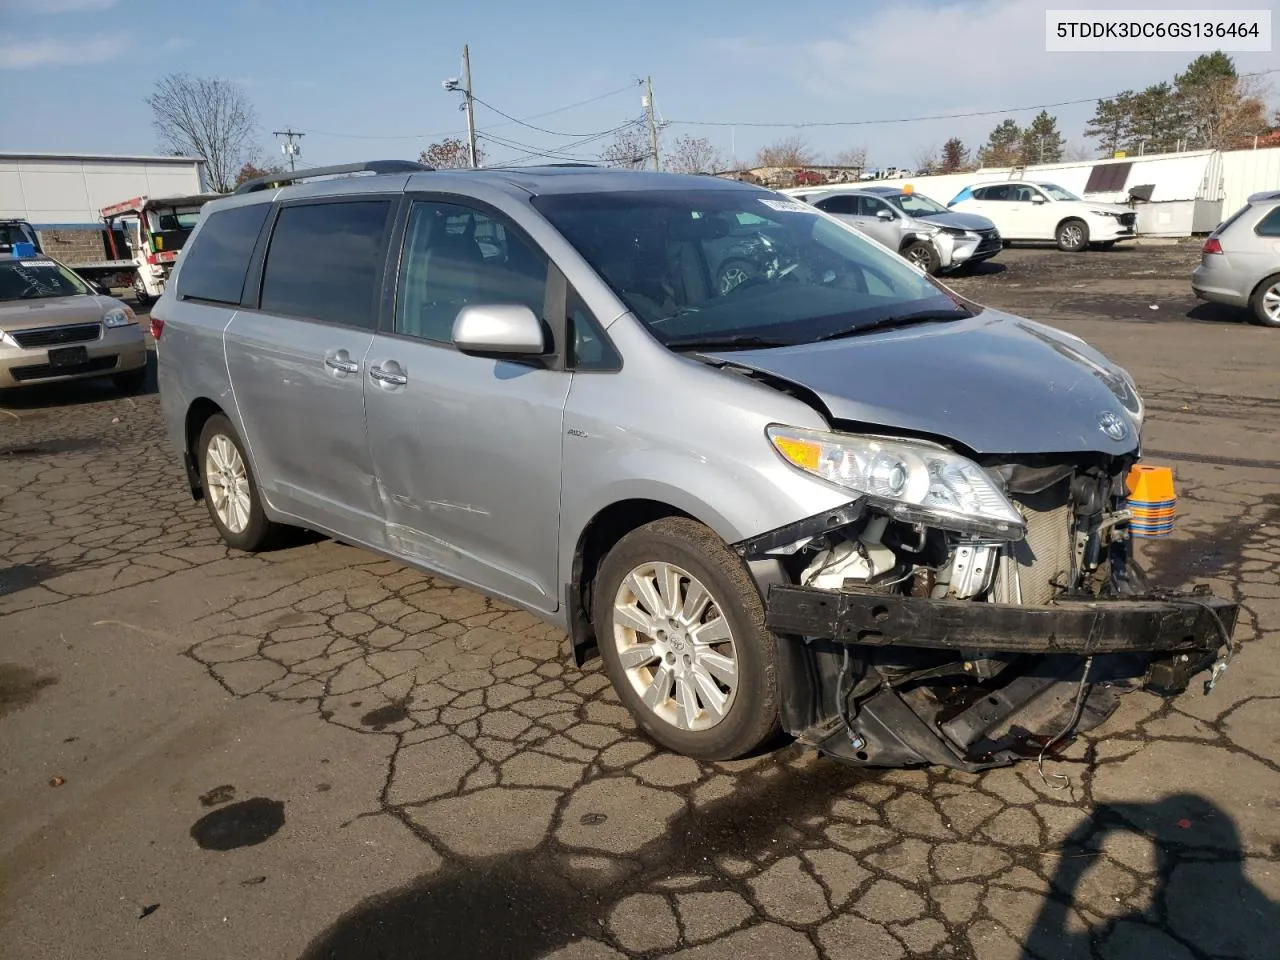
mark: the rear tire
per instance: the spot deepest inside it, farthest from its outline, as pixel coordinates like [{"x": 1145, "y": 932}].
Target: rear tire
[
  {"x": 1072, "y": 235},
  {"x": 706, "y": 666},
  {"x": 230, "y": 488},
  {"x": 1264, "y": 305},
  {"x": 923, "y": 255}
]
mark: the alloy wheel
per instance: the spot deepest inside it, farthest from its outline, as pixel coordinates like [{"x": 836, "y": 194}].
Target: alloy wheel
[
  {"x": 675, "y": 646},
  {"x": 1271, "y": 303},
  {"x": 227, "y": 480}
]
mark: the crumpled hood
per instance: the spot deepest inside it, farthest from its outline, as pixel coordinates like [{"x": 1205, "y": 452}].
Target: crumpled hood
[
  {"x": 995, "y": 383},
  {"x": 961, "y": 221}
]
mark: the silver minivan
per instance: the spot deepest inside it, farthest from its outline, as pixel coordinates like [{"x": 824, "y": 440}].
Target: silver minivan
[{"x": 836, "y": 499}]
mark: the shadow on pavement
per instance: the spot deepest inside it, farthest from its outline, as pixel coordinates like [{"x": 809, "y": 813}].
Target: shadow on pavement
[
  {"x": 521, "y": 906},
  {"x": 1203, "y": 905},
  {"x": 1218, "y": 313}
]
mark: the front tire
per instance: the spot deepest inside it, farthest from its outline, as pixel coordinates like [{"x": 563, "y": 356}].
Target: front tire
[
  {"x": 1072, "y": 235},
  {"x": 1265, "y": 302},
  {"x": 680, "y": 626},
  {"x": 230, "y": 489},
  {"x": 923, "y": 255},
  {"x": 140, "y": 295}
]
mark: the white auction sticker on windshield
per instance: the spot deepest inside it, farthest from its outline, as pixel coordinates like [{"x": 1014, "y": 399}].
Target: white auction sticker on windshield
[
  {"x": 788, "y": 206},
  {"x": 35, "y": 263}
]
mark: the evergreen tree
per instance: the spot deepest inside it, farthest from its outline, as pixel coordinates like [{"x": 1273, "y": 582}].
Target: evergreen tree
[
  {"x": 1041, "y": 141},
  {"x": 1004, "y": 145},
  {"x": 955, "y": 156},
  {"x": 1110, "y": 122}
]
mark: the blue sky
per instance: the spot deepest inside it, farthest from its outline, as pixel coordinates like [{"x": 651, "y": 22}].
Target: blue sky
[{"x": 365, "y": 80}]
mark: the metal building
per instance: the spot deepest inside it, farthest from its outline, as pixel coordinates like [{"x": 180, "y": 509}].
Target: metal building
[{"x": 68, "y": 190}]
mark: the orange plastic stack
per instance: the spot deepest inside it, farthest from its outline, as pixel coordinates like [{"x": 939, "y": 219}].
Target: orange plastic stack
[{"x": 1152, "y": 501}]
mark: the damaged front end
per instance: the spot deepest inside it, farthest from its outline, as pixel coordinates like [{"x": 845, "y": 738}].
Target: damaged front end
[{"x": 904, "y": 641}]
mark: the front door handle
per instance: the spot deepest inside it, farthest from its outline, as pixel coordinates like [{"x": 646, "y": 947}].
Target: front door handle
[
  {"x": 342, "y": 365},
  {"x": 388, "y": 377}
]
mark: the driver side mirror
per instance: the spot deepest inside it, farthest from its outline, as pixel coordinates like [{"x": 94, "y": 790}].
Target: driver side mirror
[
  {"x": 1037, "y": 198},
  {"x": 883, "y": 214},
  {"x": 504, "y": 331}
]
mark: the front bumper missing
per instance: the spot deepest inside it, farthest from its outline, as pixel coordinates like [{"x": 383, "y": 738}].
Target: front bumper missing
[{"x": 893, "y": 680}]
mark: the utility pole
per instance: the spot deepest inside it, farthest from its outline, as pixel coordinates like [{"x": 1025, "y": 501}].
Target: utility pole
[
  {"x": 470, "y": 105},
  {"x": 291, "y": 149},
  {"x": 653, "y": 124}
]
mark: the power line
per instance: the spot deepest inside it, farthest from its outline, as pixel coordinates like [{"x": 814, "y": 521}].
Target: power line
[
  {"x": 557, "y": 152},
  {"x": 554, "y": 133},
  {"x": 940, "y": 116},
  {"x": 449, "y": 133}
]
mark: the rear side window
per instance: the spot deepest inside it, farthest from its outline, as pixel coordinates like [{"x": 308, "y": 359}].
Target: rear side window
[
  {"x": 325, "y": 261},
  {"x": 215, "y": 264},
  {"x": 839, "y": 204},
  {"x": 1269, "y": 226}
]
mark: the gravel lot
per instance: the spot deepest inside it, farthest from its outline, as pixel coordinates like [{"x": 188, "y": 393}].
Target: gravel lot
[{"x": 317, "y": 753}]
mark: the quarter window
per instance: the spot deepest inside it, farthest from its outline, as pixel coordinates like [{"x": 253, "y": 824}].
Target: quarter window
[
  {"x": 1269, "y": 226},
  {"x": 455, "y": 256},
  {"x": 325, "y": 261},
  {"x": 215, "y": 265}
]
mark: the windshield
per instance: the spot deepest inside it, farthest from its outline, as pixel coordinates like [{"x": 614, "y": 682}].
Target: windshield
[
  {"x": 38, "y": 280},
  {"x": 745, "y": 264},
  {"x": 917, "y": 205},
  {"x": 1055, "y": 192},
  {"x": 11, "y": 233}
]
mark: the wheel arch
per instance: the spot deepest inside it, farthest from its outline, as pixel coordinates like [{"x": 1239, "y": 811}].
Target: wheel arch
[
  {"x": 198, "y": 413},
  {"x": 605, "y": 528}
]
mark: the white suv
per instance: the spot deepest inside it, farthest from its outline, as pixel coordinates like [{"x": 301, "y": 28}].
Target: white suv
[{"x": 1023, "y": 210}]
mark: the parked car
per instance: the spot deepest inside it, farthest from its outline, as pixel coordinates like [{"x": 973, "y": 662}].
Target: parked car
[
  {"x": 784, "y": 505},
  {"x": 55, "y": 326},
  {"x": 1240, "y": 264},
  {"x": 1025, "y": 210},
  {"x": 929, "y": 235}
]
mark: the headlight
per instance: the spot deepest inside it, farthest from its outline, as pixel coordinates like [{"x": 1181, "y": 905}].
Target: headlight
[
  {"x": 1104, "y": 213},
  {"x": 914, "y": 482},
  {"x": 118, "y": 317},
  {"x": 957, "y": 232}
]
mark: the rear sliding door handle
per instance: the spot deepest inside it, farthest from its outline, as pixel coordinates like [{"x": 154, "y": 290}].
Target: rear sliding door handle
[
  {"x": 386, "y": 376},
  {"x": 342, "y": 366}
]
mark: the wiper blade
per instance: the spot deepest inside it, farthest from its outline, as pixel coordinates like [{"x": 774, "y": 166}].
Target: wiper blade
[
  {"x": 737, "y": 341},
  {"x": 899, "y": 320}
]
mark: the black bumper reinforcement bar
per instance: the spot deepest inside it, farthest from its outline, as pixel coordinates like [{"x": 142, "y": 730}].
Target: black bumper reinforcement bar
[{"x": 1171, "y": 624}]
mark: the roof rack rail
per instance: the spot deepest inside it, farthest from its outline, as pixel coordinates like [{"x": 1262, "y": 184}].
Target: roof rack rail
[{"x": 368, "y": 166}]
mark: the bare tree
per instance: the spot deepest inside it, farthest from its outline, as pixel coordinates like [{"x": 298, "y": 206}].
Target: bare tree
[
  {"x": 1076, "y": 152},
  {"x": 926, "y": 159},
  {"x": 449, "y": 153},
  {"x": 629, "y": 148},
  {"x": 691, "y": 154},
  {"x": 791, "y": 151},
  {"x": 205, "y": 117},
  {"x": 853, "y": 157}
]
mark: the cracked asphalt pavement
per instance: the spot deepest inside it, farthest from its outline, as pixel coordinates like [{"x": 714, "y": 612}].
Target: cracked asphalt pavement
[{"x": 317, "y": 753}]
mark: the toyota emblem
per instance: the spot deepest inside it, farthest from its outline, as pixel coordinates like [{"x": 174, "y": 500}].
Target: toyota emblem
[{"x": 1113, "y": 426}]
